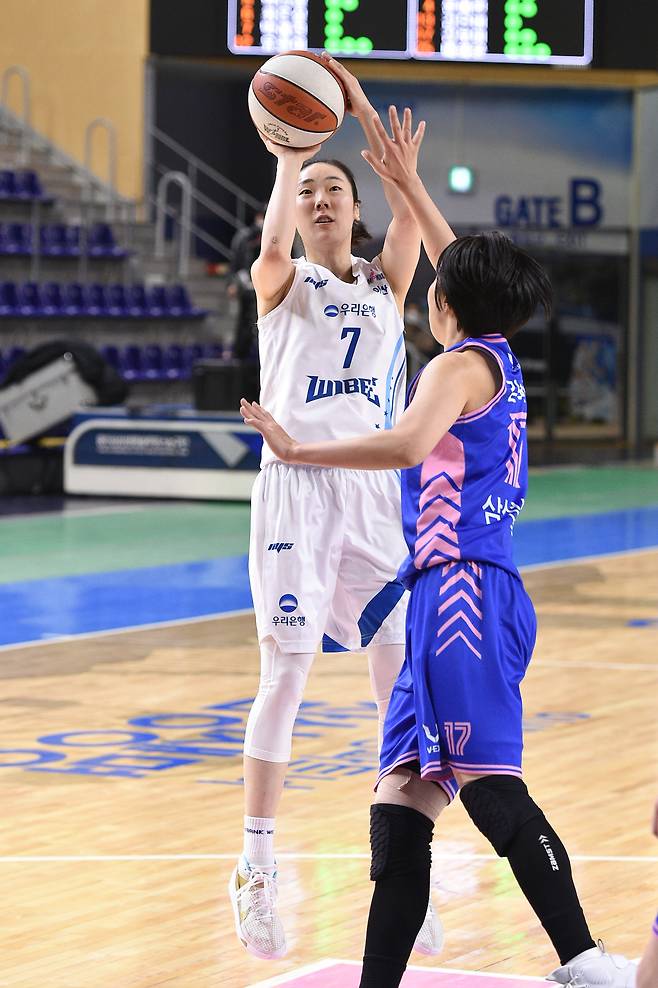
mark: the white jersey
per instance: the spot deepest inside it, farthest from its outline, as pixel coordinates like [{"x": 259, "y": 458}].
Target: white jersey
[{"x": 332, "y": 355}]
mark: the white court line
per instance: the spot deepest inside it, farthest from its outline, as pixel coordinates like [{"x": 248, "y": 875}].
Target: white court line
[
  {"x": 56, "y": 640},
  {"x": 353, "y": 856},
  {"x": 119, "y": 509}
]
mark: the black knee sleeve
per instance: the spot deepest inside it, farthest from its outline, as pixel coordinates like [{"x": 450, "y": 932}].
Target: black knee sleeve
[
  {"x": 499, "y": 806},
  {"x": 400, "y": 841}
]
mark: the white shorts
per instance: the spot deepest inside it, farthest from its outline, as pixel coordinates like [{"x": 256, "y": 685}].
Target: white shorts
[{"x": 325, "y": 549}]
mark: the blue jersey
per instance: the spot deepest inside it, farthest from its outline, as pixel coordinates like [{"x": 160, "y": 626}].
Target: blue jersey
[{"x": 462, "y": 501}]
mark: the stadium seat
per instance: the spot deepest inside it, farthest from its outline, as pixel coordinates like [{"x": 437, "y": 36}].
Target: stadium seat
[
  {"x": 75, "y": 301},
  {"x": 7, "y": 184},
  {"x": 131, "y": 363},
  {"x": 28, "y": 185},
  {"x": 137, "y": 301},
  {"x": 8, "y": 298},
  {"x": 173, "y": 363},
  {"x": 30, "y": 302},
  {"x": 51, "y": 298},
  {"x": 112, "y": 356},
  {"x": 97, "y": 303},
  {"x": 117, "y": 304},
  {"x": 157, "y": 301},
  {"x": 152, "y": 362}
]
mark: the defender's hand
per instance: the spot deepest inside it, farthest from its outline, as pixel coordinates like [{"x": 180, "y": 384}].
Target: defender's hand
[{"x": 400, "y": 151}]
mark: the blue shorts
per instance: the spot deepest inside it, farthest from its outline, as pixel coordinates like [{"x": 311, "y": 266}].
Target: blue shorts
[{"x": 471, "y": 629}]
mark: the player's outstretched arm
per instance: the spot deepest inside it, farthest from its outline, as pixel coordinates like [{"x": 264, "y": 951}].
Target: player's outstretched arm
[
  {"x": 272, "y": 271},
  {"x": 444, "y": 389},
  {"x": 402, "y": 245},
  {"x": 397, "y": 166}
]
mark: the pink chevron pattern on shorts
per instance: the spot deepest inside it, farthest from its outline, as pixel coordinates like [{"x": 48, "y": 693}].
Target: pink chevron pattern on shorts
[
  {"x": 440, "y": 503},
  {"x": 513, "y": 465},
  {"x": 460, "y": 605}
]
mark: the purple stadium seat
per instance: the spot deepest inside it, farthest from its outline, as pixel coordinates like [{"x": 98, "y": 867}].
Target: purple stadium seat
[
  {"x": 111, "y": 355},
  {"x": 97, "y": 304},
  {"x": 152, "y": 363},
  {"x": 131, "y": 363},
  {"x": 29, "y": 300},
  {"x": 157, "y": 301},
  {"x": 137, "y": 301},
  {"x": 100, "y": 240},
  {"x": 28, "y": 185},
  {"x": 8, "y": 298},
  {"x": 7, "y": 184},
  {"x": 75, "y": 300},
  {"x": 51, "y": 298},
  {"x": 19, "y": 239},
  {"x": 178, "y": 301},
  {"x": 173, "y": 362},
  {"x": 116, "y": 300}
]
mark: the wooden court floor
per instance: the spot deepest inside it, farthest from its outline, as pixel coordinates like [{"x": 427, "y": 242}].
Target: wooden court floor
[{"x": 122, "y": 798}]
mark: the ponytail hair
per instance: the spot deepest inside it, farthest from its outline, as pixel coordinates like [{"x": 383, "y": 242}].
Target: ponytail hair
[{"x": 360, "y": 232}]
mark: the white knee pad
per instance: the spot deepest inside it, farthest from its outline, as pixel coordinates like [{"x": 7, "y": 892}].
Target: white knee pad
[{"x": 283, "y": 676}]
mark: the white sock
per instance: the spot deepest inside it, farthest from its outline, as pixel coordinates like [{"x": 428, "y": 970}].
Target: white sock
[{"x": 258, "y": 846}]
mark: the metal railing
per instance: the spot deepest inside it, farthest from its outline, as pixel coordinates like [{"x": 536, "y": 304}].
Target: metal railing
[
  {"x": 175, "y": 178},
  {"x": 19, "y": 72},
  {"x": 193, "y": 167},
  {"x": 110, "y": 130}
]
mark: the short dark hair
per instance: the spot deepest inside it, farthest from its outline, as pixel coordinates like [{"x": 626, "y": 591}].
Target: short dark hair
[
  {"x": 490, "y": 284},
  {"x": 360, "y": 233}
]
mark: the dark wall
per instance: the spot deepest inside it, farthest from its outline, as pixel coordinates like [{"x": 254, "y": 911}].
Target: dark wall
[
  {"x": 188, "y": 27},
  {"x": 206, "y": 112},
  {"x": 626, "y": 34}
]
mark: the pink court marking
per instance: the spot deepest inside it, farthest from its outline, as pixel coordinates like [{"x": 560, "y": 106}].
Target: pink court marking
[{"x": 346, "y": 974}]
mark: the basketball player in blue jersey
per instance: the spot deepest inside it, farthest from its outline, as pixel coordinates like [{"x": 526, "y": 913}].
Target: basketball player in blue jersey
[
  {"x": 332, "y": 354},
  {"x": 454, "y": 719}
]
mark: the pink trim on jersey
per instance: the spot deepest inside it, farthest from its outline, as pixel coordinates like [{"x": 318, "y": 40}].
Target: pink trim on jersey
[
  {"x": 461, "y": 595},
  {"x": 441, "y": 481},
  {"x": 463, "y": 616},
  {"x": 461, "y": 575},
  {"x": 470, "y": 769},
  {"x": 409, "y": 756},
  {"x": 459, "y": 634},
  {"x": 515, "y": 432},
  {"x": 654, "y": 928},
  {"x": 477, "y": 413}
]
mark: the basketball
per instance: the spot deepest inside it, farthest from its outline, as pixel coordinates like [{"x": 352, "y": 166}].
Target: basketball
[{"x": 295, "y": 99}]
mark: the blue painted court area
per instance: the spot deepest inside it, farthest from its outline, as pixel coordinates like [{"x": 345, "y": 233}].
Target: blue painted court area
[{"x": 37, "y": 610}]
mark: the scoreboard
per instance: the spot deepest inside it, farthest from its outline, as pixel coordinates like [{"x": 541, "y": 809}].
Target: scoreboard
[{"x": 558, "y": 32}]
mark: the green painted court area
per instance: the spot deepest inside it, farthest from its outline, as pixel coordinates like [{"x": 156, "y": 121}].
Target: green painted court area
[{"x": 135, "y": 536}]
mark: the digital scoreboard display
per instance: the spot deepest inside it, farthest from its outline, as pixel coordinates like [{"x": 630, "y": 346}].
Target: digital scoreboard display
[{"x": 557, "y": 32}]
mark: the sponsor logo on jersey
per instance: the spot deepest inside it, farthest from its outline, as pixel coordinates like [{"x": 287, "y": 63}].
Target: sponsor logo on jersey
[
  {"x": 278, "y": 546},
  {"x": 350, "y": 308},
  {"x": 435, "y": 748},
  {"x": 320, "y": 387},
  {"x": 316, "y": 284},
  {"x": 288, "y": 603},
  {"x": 376, "y": 276}
]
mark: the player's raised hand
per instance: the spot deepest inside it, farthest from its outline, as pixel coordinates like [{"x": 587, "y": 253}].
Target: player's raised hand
[
  {"x": 398, "y": 161},
  {"x": 357, "y": 101},
  {"x": 281, "y": 444}
]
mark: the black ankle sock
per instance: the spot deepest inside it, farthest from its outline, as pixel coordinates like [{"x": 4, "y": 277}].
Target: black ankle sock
[
  {"x": 541, "y": 866},
  {"x": 399, "y": 902}
]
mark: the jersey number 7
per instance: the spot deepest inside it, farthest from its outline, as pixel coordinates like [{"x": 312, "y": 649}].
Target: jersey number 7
[{"x": 355, "y": 331}]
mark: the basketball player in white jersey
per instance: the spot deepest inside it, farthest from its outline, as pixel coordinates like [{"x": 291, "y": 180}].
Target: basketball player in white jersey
[{"x": 332, "y": 366}]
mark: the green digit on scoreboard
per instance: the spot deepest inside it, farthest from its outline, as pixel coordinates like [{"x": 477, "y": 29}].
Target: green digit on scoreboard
[
  {"x": 521, "y": 40},
  {"x": 335, "y": 40}
]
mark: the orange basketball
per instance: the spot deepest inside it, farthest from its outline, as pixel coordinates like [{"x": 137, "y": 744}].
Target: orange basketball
[{"x": 295, "y": 99}]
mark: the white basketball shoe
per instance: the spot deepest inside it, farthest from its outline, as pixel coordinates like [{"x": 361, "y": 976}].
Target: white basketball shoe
[
  {"x": 430, "y": 936},
  {"x": 253, "y": 893},
  {"x": 595, "y": 968}
]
